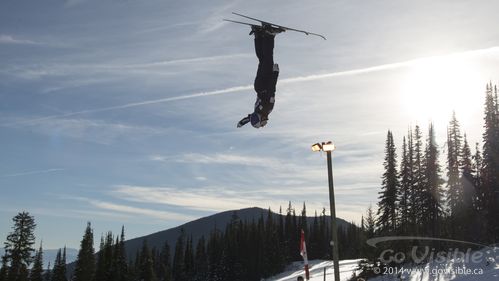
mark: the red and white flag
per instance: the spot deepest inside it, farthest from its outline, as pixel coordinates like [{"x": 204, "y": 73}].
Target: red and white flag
[{"x": 303, "y": 253}]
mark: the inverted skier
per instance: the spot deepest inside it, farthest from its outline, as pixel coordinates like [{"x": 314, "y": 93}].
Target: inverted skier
[{"x": 266, "y": 76}]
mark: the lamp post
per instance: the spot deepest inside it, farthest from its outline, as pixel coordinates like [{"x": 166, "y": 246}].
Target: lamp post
[{"x": 328, "y": 147}]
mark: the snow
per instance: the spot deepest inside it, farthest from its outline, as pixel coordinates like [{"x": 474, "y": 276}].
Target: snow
[
  {"x": 486, "y": 269},
  {"x": 347, "y": 268},
  {"x": 462, "y": 269}
]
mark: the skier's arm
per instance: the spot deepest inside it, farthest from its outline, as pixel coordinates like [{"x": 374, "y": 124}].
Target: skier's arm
[{"x": 243, "y": 121}]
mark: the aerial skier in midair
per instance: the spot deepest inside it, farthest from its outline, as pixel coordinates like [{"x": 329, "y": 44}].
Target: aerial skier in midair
[
  {"x": 268, "y": 71},
  {"x": 266, "y": 76}
]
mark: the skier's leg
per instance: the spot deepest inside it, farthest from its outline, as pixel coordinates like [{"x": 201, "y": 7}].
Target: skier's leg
[
  {"x": 275, "y": 75},
  {"x": 264, "y": 48}
]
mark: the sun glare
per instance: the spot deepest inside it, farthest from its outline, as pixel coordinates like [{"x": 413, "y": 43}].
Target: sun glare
[{"x": 435, "y": 87}]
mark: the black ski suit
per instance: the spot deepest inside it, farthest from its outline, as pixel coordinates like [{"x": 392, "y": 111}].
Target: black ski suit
[{"x": 265, "y": 81}]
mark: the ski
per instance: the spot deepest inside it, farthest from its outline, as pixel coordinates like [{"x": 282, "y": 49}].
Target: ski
[
  {"x": 273, "y": 24},
  {"x": 240, "y": 22}
]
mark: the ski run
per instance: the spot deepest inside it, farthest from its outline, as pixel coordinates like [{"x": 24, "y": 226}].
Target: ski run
[{"x": 487, "y": 270}]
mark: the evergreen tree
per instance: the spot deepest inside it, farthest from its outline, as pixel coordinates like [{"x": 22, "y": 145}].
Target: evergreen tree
[
  {"x": 214, "y": 250},
  {"x": 3, "y": 269},
  {"x": 146, "y": 271},
  {"x": 189, "y": 259},
  {"x": 119, "y": 271},
  {"x": 36, "y": 273},
  {"x": 432, "y": 191},
  {"x": 108, "y": 256},
  {"x": 134, "y": 266},
  {"x": 313, "y": 253},
  {"x": 370, "y": 229},
  {"x": 490, "y": 165},
  {"x": 59, "y": 271},
  {"x": 19, "y": 247},
  {"x": 273, "y": 253},
  {"x": 201, "y": 261},
  {"x": 477, "y": 166},
  {"x": 469, "y": 192},
  {"x": 165, "y": 263},
  {"x": 178, "y": 258},
  {"x": 455, "y": 190},
  {"x": 404, "y": 194},
  {"x": 289, "y": 240},
  {"x": 85, "y": 262},
  {"x": 418, "y": 181},
  {"x": 47, "y": 276},
  {"x": 100, "y": 269},
  {"x": 387, "y": 215},
  {"x": 467, "y": 174}
]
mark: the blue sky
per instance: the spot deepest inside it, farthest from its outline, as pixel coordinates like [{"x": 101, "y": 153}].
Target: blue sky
[{"x": 124, "y": 112}]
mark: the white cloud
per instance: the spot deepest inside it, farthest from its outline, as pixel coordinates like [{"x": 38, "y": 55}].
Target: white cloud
[
  {"x": 141, "y": 211},
  {"x": 230, "y": 159},
  {"x": 127, "y": 210},
  {"x": 199, "y": 199},
  {"x": 8, "y": 39}
]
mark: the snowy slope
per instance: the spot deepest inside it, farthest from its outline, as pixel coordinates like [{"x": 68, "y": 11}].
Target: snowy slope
[
  {"x": 487, "y": 269},
  {"x": 347, "y": 268}
]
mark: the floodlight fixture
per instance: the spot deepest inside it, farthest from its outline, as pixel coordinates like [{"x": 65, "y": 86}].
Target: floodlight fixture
[
  {"x": 328, "y": 146},
  {"x": 316, "y": 147},
  {"x": 324, "y": 146}
]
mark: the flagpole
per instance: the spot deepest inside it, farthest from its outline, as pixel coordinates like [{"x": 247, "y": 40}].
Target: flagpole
[{"x": 303, "y": 253}]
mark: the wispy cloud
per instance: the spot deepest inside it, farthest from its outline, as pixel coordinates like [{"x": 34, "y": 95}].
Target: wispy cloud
[
  {"x": 231, "y": 159},
  {"x": 199, "y": 199},
  {"x": 28, "y": 173},
  {"x": 293, "y": 173},
  {"x": 223, "y": 199},
  {"x": 236, "y": 89},
  {"x": 388, "y": 66},
  {"x": 91, "y": 72},
  {"x": 131, "y": 210},
  {"x": 131, "y": 105},
  {"x": 182, "y": 61},
  {"x": 9, "y": 39},
  {"x": 214, "y": 21},
  {"x": 142, "y": 211}
]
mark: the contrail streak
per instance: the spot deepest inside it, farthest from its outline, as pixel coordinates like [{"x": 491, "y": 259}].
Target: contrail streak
[
  {"x": 249, "y": 87},
  {"x": 31, "y": 173}
]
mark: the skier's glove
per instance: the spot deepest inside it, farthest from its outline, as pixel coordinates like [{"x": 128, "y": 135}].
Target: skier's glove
[{"x": 243, "y": 121}]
